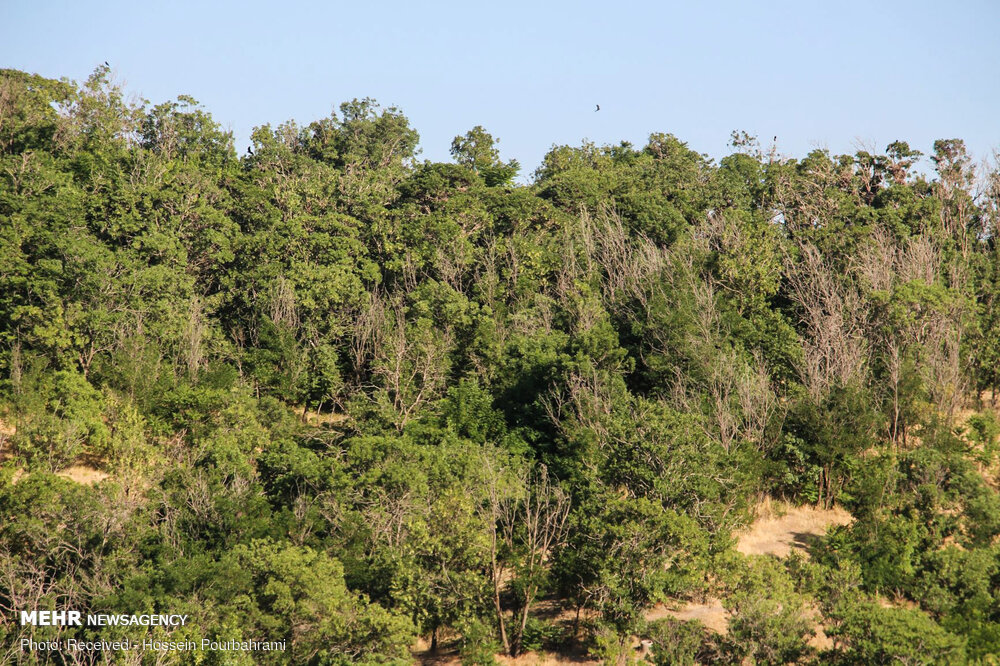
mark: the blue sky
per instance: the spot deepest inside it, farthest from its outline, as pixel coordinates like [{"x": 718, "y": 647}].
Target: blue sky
[{"x": 816, "y": 74}]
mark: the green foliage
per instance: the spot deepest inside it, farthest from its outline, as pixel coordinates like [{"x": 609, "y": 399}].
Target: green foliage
[
  {"x": 300, "y": 595},
  {"x": 479, "y": 646},
  {"x": 658, "y": 190},
  {"x": 540, "y": 635},
  {"x": 832, "y": 433},
  {"x": 680, "y": 643},
  {"x": 768, "y": 622},
  {"x": 55, "y": 416},
  {"x": 876, "y": 635},
  {"x": 984, "y": 433},
  {"x": 624, "y": 554}
]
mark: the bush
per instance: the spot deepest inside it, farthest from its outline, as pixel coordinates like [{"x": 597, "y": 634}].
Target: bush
[
  {"x": 681, "y": 643},
  {"x": 479, "y": 645},
  {"x": 984, "y": 430},
  {"x": 872, "y": 634},
  {"x": 539, "y": 634},
  {"x": 768, "y": 622}
]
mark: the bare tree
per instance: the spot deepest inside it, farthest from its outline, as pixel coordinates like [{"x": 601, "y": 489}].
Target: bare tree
[
  {"x": 527, "y": 513},
  {"x": 369, "y": 322},
  {"x": 410, "y": 362},
  {"x": 193, "y": 336},
  {"x": 628, "y": 264},
  {"x": 835, "y": 347}
]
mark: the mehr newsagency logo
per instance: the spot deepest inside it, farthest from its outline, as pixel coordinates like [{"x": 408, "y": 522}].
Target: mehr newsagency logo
[{"x": 72, "y": 618}]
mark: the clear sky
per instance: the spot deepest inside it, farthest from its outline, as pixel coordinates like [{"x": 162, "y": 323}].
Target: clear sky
[{"x": 815, "y": 74}]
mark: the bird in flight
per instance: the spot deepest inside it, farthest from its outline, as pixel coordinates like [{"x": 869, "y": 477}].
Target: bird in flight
[{"x": 597, "y": 109}]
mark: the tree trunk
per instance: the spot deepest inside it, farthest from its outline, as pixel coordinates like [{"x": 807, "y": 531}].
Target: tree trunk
[
  {"x": 500, "y": 621},
  {"x": 519, "y": 639}
]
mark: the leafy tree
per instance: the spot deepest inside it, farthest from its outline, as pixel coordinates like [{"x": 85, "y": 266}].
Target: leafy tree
[
  {"x": 299, "y": 594},
  {"x": 871, "y": 634},
  {"x": 477, "y": 150}
]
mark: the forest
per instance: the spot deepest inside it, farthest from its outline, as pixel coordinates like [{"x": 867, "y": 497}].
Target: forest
[{"x": 395, "y": 411}]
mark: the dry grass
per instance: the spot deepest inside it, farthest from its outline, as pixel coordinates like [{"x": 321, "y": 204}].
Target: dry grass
[
  {"x": 544, "y": 659},
  {"x": 7, "y": 431},
  {"x": 526, "y": 659},
  {"x": 448, "y": 656},
  {"x": 324, "y": 418},
  {"x": 715, "y": 618},
  {"x": 897, "y": 602},
  {"x": 768, "y": 507},
  {"x": 711, "y": 614},
  {"x": 778, "y": 532},
  {"x": 83, "y": 474},
  {"x": 819, "y": 640}
]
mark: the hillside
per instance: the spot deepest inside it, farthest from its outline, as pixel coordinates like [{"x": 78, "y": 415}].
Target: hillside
[{"x": 382, "y": 410}]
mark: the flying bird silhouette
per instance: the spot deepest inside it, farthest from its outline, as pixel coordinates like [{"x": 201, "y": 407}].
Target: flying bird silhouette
[{"x": 597, "y": 109}]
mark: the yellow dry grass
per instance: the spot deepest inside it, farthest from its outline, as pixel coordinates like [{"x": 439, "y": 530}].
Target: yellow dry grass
[
  {"x": 711, "y": 614},
  {"x": 324, "y": 418},
  {"x": 819, "y": 640},
  {"x": 526, "y": 659},
  {"x": 7, "y": 431},
  {"x": 545, "y": 659},
  {"x": 715, "y": 618},
  {"x": 83, "y": 474},
  {"x": 783, "y": 529}
]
